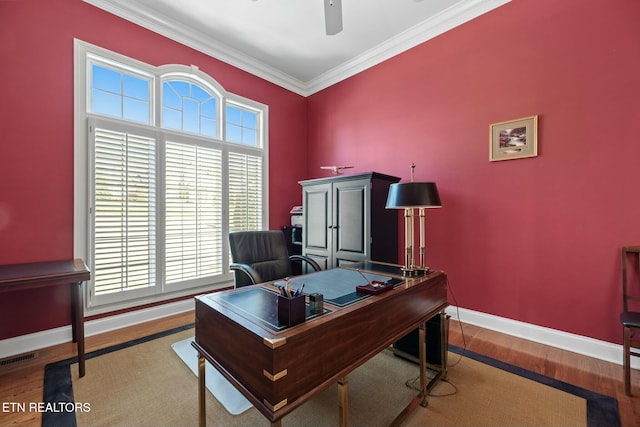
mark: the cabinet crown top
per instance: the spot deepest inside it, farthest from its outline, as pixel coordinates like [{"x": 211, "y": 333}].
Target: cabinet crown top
[{"x": 370, "y": 175}]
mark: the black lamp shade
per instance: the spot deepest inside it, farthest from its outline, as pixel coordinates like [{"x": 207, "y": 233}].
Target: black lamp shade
[{"x": 413, "y": 195}]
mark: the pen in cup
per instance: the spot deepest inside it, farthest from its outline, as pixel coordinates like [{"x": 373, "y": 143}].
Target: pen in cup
[{"x": 298, "y": 291}]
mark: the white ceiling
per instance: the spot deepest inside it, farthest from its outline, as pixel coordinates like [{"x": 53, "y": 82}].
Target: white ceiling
[{"x": 284, "y": 41}]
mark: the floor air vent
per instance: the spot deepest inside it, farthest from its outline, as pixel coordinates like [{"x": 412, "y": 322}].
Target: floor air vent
[{"x": 19, "y": 358}]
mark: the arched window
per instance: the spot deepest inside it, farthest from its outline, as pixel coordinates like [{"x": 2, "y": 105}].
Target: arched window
[
  {"x": 174, "y": 163},
  {"x": 189, "y": 108}
]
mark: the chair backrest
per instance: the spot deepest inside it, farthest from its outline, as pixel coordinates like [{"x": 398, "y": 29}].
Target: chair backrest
[
  {"x": 631, "y": 278},
  {"x": 266, "y": 251}
]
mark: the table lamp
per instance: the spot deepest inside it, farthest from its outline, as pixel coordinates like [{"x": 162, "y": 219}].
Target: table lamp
[{"x": 411, "y": 196}]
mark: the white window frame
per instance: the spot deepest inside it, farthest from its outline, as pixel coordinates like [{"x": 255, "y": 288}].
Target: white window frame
[{"x": 83, "y": 171}]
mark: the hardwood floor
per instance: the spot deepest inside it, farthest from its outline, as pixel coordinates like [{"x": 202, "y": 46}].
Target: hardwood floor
[
  {"x": 22, "y": 382},
  {"x": 586, "y": 372}
]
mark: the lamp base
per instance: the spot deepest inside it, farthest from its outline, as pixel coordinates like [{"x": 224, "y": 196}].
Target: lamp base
[
  {"x": 414, "y": 271},
  {"x": 423, "y": 270}
]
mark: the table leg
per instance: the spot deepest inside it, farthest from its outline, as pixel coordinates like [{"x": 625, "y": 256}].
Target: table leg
[
  {"x": 343, "y": 401},
  {"x": 202, "y": 404},
  {"x": 74, "y": 298},
  {"x": 77, "y": 323}
]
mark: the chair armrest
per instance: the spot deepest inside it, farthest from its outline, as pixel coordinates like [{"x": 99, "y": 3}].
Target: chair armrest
[
  {"x": 306, "y": 259},
  {"x": 248, "y": 270}
]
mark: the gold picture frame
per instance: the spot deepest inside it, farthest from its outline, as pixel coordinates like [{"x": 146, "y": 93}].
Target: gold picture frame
[{"x": 514, "y": 139}]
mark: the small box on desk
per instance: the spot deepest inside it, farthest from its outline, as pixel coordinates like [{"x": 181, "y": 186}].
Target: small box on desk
[
  {"x": 291, "y": 311},
  {"x": 374, "y": 288}
]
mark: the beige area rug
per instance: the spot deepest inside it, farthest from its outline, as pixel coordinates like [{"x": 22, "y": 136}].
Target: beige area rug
[{"x": 148, "y": 385}]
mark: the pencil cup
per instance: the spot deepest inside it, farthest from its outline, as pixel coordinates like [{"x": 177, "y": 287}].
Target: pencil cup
[{"x": 291, "y": 311}]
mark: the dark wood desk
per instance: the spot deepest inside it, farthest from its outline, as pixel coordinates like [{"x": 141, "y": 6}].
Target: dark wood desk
[
  {"x": 277, "y": 370},
  {"x": 16, "y": 277}
]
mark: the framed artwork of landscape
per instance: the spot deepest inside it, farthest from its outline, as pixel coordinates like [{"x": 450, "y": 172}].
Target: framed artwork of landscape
[{"x": 514, "y": 139}]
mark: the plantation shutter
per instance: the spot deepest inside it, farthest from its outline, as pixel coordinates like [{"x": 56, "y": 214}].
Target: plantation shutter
[
  {"x": 193, "y": 212},
  {"x": 124, "y": 198},
  {"x": 245, "y": 192}
]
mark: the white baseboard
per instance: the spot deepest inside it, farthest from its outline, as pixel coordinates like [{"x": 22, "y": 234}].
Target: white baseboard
[
  {"x": 50, "y": 337},
  {"x": 576, "y": 343},
  {"x": 586, "y": 346}
]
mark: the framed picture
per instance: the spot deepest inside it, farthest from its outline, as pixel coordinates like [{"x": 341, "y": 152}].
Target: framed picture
[{"x": 514, "y": 139}]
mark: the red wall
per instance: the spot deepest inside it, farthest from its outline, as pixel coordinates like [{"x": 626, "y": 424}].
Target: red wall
[
  {"x": 536, "y": 240},
  {"x": 36, "y": 151}
]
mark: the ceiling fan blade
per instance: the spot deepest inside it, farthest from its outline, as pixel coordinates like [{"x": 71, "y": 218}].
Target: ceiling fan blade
[{"x": 333, "y": 16}]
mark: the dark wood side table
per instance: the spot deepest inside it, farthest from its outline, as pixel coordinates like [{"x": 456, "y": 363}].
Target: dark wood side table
[{"x": 16, "y": 277}]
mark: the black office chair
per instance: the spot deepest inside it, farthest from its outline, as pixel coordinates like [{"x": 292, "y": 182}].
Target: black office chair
[
  {"x": 630, "y": 319},
  {"x": 262, "y": 256}
]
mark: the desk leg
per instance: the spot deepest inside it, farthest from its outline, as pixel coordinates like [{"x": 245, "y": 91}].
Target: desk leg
[
  {"x": 422, "y": 352},
  {"x": 343, "y": 401},
  {"x": 77, "y": 323},
  {"x": 421, "y": 398},
  {"x": 444, "y": 344},
  {"x": 202, "y": 403}
]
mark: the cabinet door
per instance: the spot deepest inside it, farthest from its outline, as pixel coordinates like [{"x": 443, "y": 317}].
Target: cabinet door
[
  {"x": 351, "y": 221},
  {"x": 316, "y": 238}
]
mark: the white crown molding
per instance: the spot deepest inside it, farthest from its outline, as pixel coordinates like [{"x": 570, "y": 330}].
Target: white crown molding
[
  {"x": 444, "y": 21},
  {"x": 452, "y": 17},
  {"x": 198, "y": 41}
]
